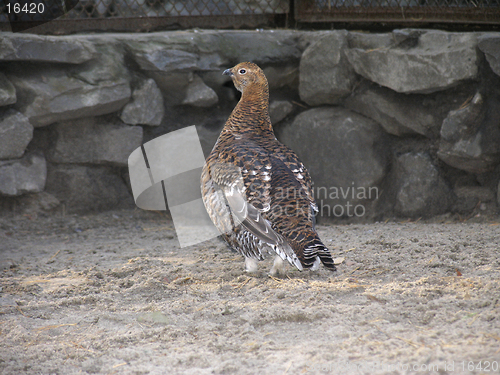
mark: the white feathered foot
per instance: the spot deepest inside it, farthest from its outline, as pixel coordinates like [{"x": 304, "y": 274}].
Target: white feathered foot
[
  {"x": 251, "y": 265},
  {"x": 279, "y": 267},
  {"x": 316, "y": 264}
]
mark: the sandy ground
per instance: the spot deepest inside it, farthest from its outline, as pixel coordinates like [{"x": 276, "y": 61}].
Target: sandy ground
[{"x": 113, "y": 293}]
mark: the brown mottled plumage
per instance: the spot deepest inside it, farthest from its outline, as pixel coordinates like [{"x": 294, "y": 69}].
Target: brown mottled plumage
[{"x": 256, "y": 190}]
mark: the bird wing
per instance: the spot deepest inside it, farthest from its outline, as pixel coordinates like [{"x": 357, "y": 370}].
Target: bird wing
[
  {"x": 293, "y": 163},
  {"x": 230, "y": 181},
  {"x": 216, "y": 203},
  {"x": 242, "y": 174}
]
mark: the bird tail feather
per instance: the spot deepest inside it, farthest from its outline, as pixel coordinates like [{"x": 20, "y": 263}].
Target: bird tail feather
[{"x": 315, "y": 249}]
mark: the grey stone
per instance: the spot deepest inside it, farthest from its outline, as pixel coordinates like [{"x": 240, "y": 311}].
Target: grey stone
[
  {"x": 490, "y": 46},
  {"x": 263, "y": 47},
  {"x": 369, "y": 41},
  {"x": 427, "y": 62},
  {"x": 171, "y": 58},
  {"x": 211, "y": 62},
  {"x": 93, "y": 141},
  {"x": 15, "y": 134},
  {"x": 469, "y": 197},
  {"x": 283, "y": 76},
  {"x": 165, "y": 60},
  {"x": 166, "y": 51},
  {"x": 87, "y": 188},
  {"x": 346, "y": 155},
  {"x": 146, "y": 107},
  {"x": 498, "y": 194},
  {"x": 406, "y": 38},
  {"x": 470, "y": 136},
  {"x": 108, "y": 65},
  {"x": 463, "y": 121},
  {"x": 199, "y": 95},
  {"x": 7, "y": 91},
  {"x": 36, "y": 202},
  {"x": 398, "y": 114},
  {"x": 307, "y": 38},
  {"x": 60, "y": 49},
  {"x": 279, "y": 109},
  {"x": 50, "y": 96},
  {"x": 326, "y": 76},
  {"x": 173, "y": 86},
  {"x": 211, "y": 49},
  {"x": 217, "y": 82},
  {"x": 420, "y": 189},
  {"x": 21, "y": 176}
]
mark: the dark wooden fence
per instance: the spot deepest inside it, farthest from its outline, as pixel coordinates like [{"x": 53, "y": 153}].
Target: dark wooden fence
[{"x": 68, "y": 16}]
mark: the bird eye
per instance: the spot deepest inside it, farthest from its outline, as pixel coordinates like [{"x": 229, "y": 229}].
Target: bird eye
[{"x": 242, "y": 71}]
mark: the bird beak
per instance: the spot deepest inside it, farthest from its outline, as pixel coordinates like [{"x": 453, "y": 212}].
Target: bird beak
[{"x": 228, "y": 72}]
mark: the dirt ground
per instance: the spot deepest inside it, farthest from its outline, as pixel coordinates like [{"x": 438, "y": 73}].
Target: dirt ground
[{"x": 113, "y": 293}]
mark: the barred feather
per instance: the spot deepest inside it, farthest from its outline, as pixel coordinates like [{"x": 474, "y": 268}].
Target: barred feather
[{"x": 256, "y": 190}]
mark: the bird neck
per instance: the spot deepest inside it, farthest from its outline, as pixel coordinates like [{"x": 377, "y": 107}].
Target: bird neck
[{"x": 251, "y": 114}]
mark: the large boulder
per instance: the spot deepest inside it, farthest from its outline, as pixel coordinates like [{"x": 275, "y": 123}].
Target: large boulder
[
  {"x": 47, "y": 94},
  {"x": 199, "y": 95},
  {"x": 420, "y": 191},
  {"x": 87, "y": 188},
  {"x": 470, "y": 136},
  {"x": 173, "y": 86},
  {"x": 108, "y": 66},
  {"x": 169, "y": 61},
  {"x": 60, "y": 49},
  {"x": 182, "y": 51},
  {"x": 498, "y": 194},
  {"x": 21, "y": 176},
  {"x": 212, "y": 49},
  {"x": 34, "y": 203},
  {"x": 146, "y": 107},
  {"x": 470, "y": 198},
  {"x": 264, "y": 47},
  {"x": 52, "y": 95},
  {"x": 326, "y": 76},
  {"x": 489, "y": 44},
  {"x": 164, "y": 52},
  {"x": 7, "y": 91},
  {"x": 15, "y": 134},
  {"x": 279, "y": 109},
  {"x": 416, "y": 61},
  {"x": 94, "y": 141},
  {"x": 165, "y": 60},
  {"x": 282, "y": 76},
  {"x": 346, "y": 155},
  {"x": 369, "y": 41},
  {"x": 172, "y": 58},
  {"x": 398, "y": 114}
]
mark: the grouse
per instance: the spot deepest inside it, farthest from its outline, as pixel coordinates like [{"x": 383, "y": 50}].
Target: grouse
[{"x": 256, "y": 190}]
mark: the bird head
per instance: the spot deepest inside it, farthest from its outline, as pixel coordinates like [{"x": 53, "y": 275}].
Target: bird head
[{"x": 246, "y": 75}]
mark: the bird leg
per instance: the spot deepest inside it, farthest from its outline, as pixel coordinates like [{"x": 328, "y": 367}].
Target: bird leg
[
  {"x": 251, "y": 265},
  {"x": 279, "y": 266},
  {"x": 316, "y": 264}
]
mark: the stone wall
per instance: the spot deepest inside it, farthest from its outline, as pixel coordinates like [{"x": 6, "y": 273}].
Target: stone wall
[{"x": 405, "y": 123}]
